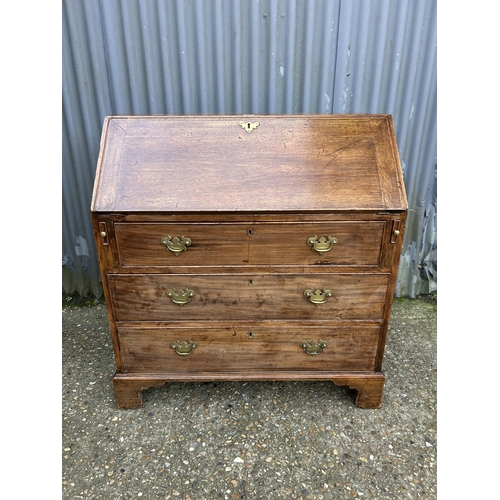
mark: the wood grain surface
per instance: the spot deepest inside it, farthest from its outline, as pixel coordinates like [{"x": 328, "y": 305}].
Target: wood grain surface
[
  {"x": 248, "y": 202},
  {"x": 358, "y": 243},
  {"x": 143, "y": 297},
  {"x": 248, "y": 347},
  {"x": 195, "y": 164}
]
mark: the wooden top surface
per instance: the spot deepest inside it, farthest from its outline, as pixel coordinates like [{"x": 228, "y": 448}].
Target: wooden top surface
[{"x": 291, "y": 163}]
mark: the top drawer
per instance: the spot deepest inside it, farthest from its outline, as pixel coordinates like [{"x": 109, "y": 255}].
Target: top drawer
[{"x": 356, "y": 243}]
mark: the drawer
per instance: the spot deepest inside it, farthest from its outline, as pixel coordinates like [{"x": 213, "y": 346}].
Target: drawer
[
  {"x": 336, "y": 243},
  {"x": 181, "y": 297},
  {"x": 248, "y": 348}
]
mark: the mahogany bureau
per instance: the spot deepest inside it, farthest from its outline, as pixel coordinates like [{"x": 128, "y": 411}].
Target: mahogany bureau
[{"x": 249, "y": 248}]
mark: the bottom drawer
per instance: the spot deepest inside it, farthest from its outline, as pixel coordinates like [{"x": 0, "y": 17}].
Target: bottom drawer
[{"x": 239, "y": 348}]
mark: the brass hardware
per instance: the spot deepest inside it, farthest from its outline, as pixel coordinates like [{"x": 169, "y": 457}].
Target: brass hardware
[
  {"x": 249, "y": 232},
  {"x": 183, "y": 348},
  {"x": 313, "y": 348},
  {"x": 396, "y": 225},
  {"x": 175, "y": 244},
  {"x": 322, "y": 245},
  {"x": 248, "y": 127},
  {"x": 317, "y": 297},
  {"x": 103, "y": 233},
  {"x": 180, "y": 297}
]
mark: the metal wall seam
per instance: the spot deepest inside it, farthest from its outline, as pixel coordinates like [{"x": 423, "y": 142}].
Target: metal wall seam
[{"x": 249, "y": 56}]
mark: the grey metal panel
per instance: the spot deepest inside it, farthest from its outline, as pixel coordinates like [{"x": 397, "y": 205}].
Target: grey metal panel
[
  {"x": 386, "y": 63},
  {"x": 249, "y": 56}
]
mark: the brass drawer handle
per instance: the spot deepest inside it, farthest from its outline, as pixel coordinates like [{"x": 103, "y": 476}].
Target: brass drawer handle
[
  {"x": 313, "y": 348},
  {"x": 317, "y": 297},
  {"x": 322, "y": 245},
  {"x": 175, "y": 244},
  {"x": 183, "y": 348},
  {"x": 180, "y": 297}
]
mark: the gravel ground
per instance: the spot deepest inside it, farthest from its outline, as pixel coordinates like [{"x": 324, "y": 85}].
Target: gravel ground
[{"x": 293, "y": 440}]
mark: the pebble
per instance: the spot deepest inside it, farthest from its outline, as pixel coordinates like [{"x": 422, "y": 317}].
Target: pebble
[{"x": 293, "y": 440}]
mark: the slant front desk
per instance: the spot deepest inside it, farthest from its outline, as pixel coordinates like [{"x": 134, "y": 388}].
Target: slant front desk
[{"x": 249, "y": 248}]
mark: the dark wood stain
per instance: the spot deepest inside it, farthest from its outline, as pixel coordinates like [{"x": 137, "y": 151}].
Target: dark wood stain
[{"x": 249, "y": 202}]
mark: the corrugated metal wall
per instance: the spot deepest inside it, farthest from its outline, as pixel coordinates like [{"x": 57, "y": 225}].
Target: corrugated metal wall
[{"x": 249, "y": 56}]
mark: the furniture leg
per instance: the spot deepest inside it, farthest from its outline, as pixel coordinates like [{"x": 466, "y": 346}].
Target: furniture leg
[
  {"x": 128, "y": 391},
  {"x": 370, "y": 388}
]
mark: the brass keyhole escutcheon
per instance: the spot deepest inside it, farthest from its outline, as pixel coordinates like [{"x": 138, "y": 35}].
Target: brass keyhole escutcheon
[{"x": 249, "y": 126}]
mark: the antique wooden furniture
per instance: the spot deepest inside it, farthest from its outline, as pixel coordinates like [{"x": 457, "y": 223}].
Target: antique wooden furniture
[{"x": 249, "y": 248}]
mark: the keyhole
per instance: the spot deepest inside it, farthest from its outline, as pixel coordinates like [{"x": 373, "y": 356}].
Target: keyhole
[
  {"x": 248, "y": 125},
  {"x": 250, "y": 282},
  {"x": 250, "y": 232},
  {"x": 250, "y": 335}
]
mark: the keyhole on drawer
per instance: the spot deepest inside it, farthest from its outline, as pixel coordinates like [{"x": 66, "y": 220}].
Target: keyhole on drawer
[
  {"x": 250, "y": 335},
  {"x": 250, "y": 282},
  {"x": 250, "y": 232}
]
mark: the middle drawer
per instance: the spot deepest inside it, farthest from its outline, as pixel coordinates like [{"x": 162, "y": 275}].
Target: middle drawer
[{"x": 187, "y": 297}]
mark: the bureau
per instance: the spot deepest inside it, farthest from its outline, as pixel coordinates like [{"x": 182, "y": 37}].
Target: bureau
[{"x": 248, "y": 248}]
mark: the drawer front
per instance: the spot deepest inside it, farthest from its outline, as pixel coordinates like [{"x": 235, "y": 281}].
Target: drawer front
[
  {"x": 182, "y": 297},
  {"x": 251, "y": 348},
  {"x": 334, "y": 243}
]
